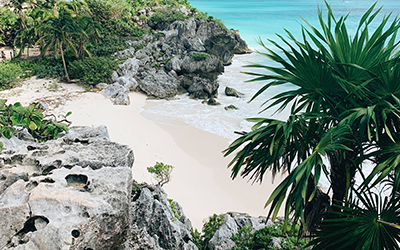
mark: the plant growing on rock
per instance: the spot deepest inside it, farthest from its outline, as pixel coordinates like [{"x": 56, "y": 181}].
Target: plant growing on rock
[
  {"x": 209, "y": 228},
  {"x": 200, "y": 56},
  {"x": 161, "y": 172},
  {"x": 16, "y": 115}
]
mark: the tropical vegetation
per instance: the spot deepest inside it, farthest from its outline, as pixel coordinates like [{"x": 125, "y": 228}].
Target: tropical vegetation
[
  {"x": 344, "y": 115},
  {"x": 79, "y": 34}
]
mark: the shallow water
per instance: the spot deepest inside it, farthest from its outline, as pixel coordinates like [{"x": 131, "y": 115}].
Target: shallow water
[{"x": 255, "y": 19}]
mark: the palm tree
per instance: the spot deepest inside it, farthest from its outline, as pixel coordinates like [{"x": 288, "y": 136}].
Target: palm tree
[
  {"x": 58, "y": 32},
  {"x": 345, "y": 108}
]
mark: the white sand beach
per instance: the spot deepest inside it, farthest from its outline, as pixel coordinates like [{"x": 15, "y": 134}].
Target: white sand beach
[{"x": 200, "y": 182}]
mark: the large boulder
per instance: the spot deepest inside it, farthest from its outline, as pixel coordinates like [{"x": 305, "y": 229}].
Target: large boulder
[
  {"x": 76, "y": 193},
  {"x": 117, "y": 93},
  {"x": 69, "y": 193},
  {"x": 160, "y": 84}
]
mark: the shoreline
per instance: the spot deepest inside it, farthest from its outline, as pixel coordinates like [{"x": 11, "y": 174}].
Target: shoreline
[{"x": 200, "y": 182}]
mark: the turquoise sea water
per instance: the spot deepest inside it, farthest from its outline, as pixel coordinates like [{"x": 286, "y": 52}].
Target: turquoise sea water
[{"x": 254, "y": 18}]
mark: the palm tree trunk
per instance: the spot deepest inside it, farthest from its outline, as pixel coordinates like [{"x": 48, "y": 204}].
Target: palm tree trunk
[
  {"x": 63, "y": 60},
  {"x": 342, "y": 176}
]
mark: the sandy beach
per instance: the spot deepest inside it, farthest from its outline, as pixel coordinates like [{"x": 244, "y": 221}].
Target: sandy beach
[{"x": 200, "y": 180}]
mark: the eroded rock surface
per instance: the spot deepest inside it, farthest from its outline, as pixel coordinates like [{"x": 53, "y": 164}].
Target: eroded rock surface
[
  {"x": 76, "y": 193},
  {"x": 185, "y": 56}
]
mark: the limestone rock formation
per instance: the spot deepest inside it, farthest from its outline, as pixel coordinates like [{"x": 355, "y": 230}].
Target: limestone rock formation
[
  {"x": 69, "y": 193},
  {"x": 76, "y": 193},
  {"x": 155, "y": 225},
  {"x": 232, "y": 223},
  {"x": 186, "y": 55}
]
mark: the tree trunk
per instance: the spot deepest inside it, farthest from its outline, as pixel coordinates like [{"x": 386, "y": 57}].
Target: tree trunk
[
  {"x": 63, "y": 60},
  {"x": 342, "y": 178}
]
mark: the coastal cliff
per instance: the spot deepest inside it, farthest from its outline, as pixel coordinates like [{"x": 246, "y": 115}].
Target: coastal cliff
[{"x": 186, "y": 56}]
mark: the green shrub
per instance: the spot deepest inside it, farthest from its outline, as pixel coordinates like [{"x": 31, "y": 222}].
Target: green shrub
[
  {"x": 260, "y": 239},
  {"x": 200, "y": 56},
  {"x": 161, "y": 172},
  {"x": 9, "y": 74},
  {"x": 50, "y": 67},
  {"x": 173, "y": 208},
  {"x": 93, "y": 70},
  {"x": 30, "y": 118},
  {"x": 159, "y": 34},
  {"x": 162, "y": 17}
]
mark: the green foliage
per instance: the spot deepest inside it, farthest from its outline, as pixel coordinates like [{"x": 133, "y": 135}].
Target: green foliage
[
  {"x": 93, "y": 70},
  {"x": 158, "y": 35},
  {"x": 30, "y": 118},
  {"x": 200, "y": 56},
  {"x": 9, "y": 74},
  {"x": 245, "y": 239},
  {"x": 161, "y": 172},
  {"x": 162, "y": 17},
  {"x": 50, "y": 68},
  {"x": 8, "y": 23},
  {"x": 208, "y": 231},
  {"x": 172, "y": 204},
  {"x": 344, "y": 111}
]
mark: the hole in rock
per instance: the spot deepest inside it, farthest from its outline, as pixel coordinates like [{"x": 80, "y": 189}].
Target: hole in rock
[
  {"x": 33, "y": 224},
  {"x": 31, "y": 148},
  {"x": 77, "y": 180},
  {"x": 48, "y": 169},
  {"x": 2, "y": 178},
  {"x": 48, "y": 180},
  {"x": 82, "y": 141},
  {"x": 75, "y": 233},
  {"x": 31, "y": 185}
]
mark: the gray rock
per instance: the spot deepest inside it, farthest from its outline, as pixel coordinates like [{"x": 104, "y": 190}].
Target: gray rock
[
  {"x": 231, "y": 107},
  {"x": 102, "y": 85},
  {"x": 156, "y": 226},
  {"x": 276, "y": 242},
  {"x": 128, "y": 82},
  {"x": 69, "y": 193},
  {"x": 117, "y": 93},
  {"x": 232, "y": 92},
  {"x": 159, "y": 84},
  {"x": 202, "y": 88},
  {"x": 222, "y": 237},
  {"x": 114, "y": 76}
]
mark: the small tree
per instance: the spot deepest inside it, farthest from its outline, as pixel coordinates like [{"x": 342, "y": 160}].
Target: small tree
[{"x": 161, "y": 172}]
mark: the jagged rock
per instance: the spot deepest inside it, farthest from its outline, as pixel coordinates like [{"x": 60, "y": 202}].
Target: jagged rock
[
  {"x": 222, "y": 237},
  {"x": 276, "y": 243},
  {"x": 159, "y": 84},
  {"x": 128, "y": 82},
  {"x": 117, "y": 93},
  {"x": 69, "y": 193},
  {"x": 231, "y": 107},
  {"x": 175, "y": 49},
  {"x": 76, "y": 193},
  {"x": 212, "y": 102},
  {"x": 129, "y": 52},
  {"x": 201, "y": 88},
  {"x": 232, "y": 92},
  {"x": 233, "y": 222},
  {"x": 156, "y": 226},
  {"x": 101, "y": 85}
]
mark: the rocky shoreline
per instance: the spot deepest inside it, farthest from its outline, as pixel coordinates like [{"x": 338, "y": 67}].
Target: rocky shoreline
[
  {"x": 76, "y": 192},
  {"x": 185, "y": 57}
]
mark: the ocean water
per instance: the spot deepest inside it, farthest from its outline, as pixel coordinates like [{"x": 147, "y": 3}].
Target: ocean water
[{"x": 255, "y": 19}]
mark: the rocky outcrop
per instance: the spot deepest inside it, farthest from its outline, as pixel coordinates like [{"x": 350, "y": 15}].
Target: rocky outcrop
[
  {"x": 186, "y": 56},
  {"x": 159, "y": 223},
  {"x": 233, "y": 222},
  {"x": 76, "y": 193},
  {"x": 232, "y": 92}
]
